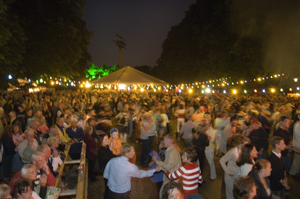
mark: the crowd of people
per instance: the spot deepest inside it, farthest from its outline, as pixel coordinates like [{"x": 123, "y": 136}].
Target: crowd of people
[{"x": 257, "y": 138}]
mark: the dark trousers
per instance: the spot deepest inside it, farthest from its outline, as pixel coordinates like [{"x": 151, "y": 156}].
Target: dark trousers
[
  {"x": 145, "y": 151},
  {"x": 158, "y": 185},
  {"x": 75, "y": 156},
  {"x": 201, "y": 157},
  {"x": 91, "y": 174},
  {"x": 113, "y": 195},
  {"x": 7, "y": 166},
  {"x": 151, "y": 139}
]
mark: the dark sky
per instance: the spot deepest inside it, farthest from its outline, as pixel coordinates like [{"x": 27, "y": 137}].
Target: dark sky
[{"x": 144, "y": 23}]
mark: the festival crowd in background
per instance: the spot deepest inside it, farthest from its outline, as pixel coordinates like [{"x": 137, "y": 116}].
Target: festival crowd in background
[{"x": 257, "y": 138}]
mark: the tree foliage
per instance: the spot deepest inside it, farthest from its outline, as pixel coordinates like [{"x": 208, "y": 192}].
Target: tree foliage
[
  {"x": 51, "y": 38},
  {"x": 241, "y": 39},
  {"x": 95, "y": 72},
  {"x": 12, "y": 42}
]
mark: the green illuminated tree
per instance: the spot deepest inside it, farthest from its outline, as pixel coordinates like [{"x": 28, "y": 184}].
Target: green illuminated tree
[
  {"x": 121, "y": 43},
  {"x": 95, "y": 72}
]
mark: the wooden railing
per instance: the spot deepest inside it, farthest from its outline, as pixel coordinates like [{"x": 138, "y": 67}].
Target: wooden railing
[{"x": 81, "y": 190}]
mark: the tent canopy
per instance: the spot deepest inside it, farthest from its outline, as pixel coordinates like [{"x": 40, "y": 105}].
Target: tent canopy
[{"x": 128, "y": 75}]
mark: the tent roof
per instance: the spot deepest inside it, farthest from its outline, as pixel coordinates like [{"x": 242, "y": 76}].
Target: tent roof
[{"x": 128, "y": 75}]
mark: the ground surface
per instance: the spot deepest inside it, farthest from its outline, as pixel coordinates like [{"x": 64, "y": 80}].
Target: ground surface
[{"x": 145, "y": 189}]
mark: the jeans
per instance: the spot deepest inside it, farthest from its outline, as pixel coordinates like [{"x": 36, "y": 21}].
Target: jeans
[{"x": 145, "y": 151}]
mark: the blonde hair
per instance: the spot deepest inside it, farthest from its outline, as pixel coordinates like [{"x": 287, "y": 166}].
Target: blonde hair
[
  {"x": 52, "y": 140},
  {"x": 4, "y": 189}
]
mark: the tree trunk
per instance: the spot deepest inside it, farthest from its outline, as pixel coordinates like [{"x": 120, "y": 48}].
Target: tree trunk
[{"x": 120, "y": 58}]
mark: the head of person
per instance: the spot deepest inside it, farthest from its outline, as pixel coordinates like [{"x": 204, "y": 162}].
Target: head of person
[
  {"x": 29, "y": 134},
  {"x": 103, "y": 140},
  {"x": 74, "y": 123},
  {"x": 88, "y": 130},
  {"x": 263, "y": 168},
  {"x": 210, "y": 108},
  {"x": 37, "y": 113},
  {"x": 5, "y": 191},
  {"x": 34, "y": 124},
  {"x": 169, "y": 140},
  {"x": 240, "y": 140},
  {"x": 127, "y": 150},
  {"x": 82, "y": 116},
  {"x": 114, "y": 133},
  {"x": 91, "y": 121},
  {"x": 60, "y": 121},
  {"x": 201, "y": 109},
  {"x": 53, "y": 142},
  {"x": 29, "y": 112},
  {"x": 189, "y": 155},
  {"x": 278, "y": 143},
  {"x": 244, "y": 188},
  {"x": 172, "y": 190},
  {"x": 285, "y": 122},
  {"x": 23, "y": 189},
  {"x": 16, "y": 129},
  {"x": 12, "y": 114},
  {"x": 61, "y": 106},
  {"x": 249, "y": 153},
  {"x": 29, "y": 171},
  {"x": 53, "y": 132},
  {"x": 233, "y": 121},
  {"x": 44, "y": 148},
  {"x": 201, "y": 127},
  {"x": 38, "y": 159},
  {"x": 255, "y": 124}
]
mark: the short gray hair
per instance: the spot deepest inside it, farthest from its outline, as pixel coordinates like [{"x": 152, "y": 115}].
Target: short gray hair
[
  {"x": 26, "y": 168},
  {"x": 36, "y": 154}
]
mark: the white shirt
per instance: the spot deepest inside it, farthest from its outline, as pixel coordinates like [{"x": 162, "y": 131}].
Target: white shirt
[
  {"x": 119, "y": 172},
  {"x": 277, "y": 154}
]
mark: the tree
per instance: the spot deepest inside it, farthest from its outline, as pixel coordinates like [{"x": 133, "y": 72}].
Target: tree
[
  {"x": 57, "y": 38},
  {"x": 95, "y": 72},
  {"x": 12, "y": 43},
  {"x": 121, "y": 43}
]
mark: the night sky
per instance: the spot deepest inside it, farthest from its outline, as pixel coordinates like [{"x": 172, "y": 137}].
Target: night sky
[{"x": 144, "y": 23}]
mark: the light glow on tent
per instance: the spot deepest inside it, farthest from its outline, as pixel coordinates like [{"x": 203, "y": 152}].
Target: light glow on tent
[{"x": 121, "y": 86}]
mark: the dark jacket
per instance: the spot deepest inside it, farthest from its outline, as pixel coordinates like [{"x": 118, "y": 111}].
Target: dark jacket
[
  {"x": 76, "y": 147},
  {"x": 103, "y": 156},
  {"x": 261, "y": 192},
  {"x": 201, "y": 143},
  {"x": 277, "y": 173},
  {"x": 8, "y": 145},
  {"x": 90, "y": 147}
]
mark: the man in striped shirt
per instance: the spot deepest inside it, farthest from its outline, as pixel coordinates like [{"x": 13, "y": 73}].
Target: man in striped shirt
[{"x": 190, "y": 172}]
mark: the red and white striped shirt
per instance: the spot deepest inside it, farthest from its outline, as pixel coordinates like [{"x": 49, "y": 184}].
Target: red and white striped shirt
[{"x": 191, "y": 176}]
